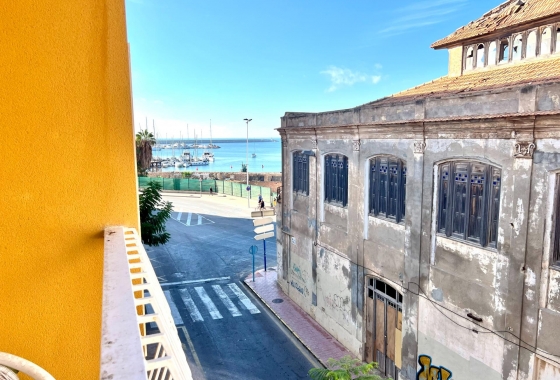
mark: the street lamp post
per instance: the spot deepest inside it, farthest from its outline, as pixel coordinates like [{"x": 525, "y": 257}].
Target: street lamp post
[{"x": 247, "y": 161}]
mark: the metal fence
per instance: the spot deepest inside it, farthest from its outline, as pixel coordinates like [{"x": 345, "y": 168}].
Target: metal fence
[{"x": 235, "y": 189}]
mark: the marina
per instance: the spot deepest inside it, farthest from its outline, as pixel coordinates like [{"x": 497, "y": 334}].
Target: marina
[{"x": 180, "y": 156}]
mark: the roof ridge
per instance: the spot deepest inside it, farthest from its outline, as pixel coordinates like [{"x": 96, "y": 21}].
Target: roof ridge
[{"x": 508, "y": 14}]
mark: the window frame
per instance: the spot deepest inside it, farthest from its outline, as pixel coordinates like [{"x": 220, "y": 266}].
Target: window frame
[
  {"x": 376, "y": 208},
  {"x": 300, "y": 171},
  {"x": 336, "y": 179},
  {"x": 486, "y": 212},
  {"x": 555, "y": 254}
]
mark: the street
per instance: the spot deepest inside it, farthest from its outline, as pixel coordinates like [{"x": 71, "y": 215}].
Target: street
[{"x": 227, "y": 333}]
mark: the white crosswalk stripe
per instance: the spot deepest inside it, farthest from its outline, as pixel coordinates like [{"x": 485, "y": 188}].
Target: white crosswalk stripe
[
  {"x": 191, "y": 307},
  {"x": 212, "y": 309},
  {"x": 199, "y": 219},
  {"x": 174, "y": 311},
  {"x": 244, "y": 299},
  {"x": 231, "y": 296},
  {"x": 227, "y": 302},
  {"x": 189, "y": 219}
]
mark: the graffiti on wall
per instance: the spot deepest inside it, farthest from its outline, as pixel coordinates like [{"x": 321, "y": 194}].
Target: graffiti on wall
[
  {"x": 301, "y": 274},
  {"x": 430, "y": 372},
  {"x": 338, "y": 304},
  {"x": 302, "y": 289}
]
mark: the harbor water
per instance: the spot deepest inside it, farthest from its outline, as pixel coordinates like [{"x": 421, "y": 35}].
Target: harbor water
[{"x": 231, "y": 155}]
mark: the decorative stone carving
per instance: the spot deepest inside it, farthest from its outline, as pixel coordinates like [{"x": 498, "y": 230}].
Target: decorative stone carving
[
  {"x": 284, "y": 143},
  {"x": 524, "y": 149},
  {"x": 419, "y": 146},
  {"x": 314, "y": 144},
  {"x": 356, "y": 145}
]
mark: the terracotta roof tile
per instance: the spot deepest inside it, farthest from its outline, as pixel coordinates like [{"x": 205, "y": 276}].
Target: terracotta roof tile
[
  {"x": 524, "y": 72},
  {"x": 503, "y": 16}
]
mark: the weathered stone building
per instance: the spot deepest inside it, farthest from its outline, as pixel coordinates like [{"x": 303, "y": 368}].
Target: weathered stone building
[{"x": 422, "y": 229}]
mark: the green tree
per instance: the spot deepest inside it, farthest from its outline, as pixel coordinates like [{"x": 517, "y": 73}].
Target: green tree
[
  {"x": 244, "y": 168},
  {"x": 144, "y": 142},
  {"x": 346, "y": 368},
  {"x": 154, "y": 212},
  {"x": 186, "y": 174}
]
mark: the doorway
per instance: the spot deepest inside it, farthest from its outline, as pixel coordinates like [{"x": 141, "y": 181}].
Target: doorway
[{"x": 384, "y": 327}]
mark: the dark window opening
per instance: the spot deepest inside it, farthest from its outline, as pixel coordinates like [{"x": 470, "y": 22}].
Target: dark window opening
[
  {"x": 469, "y": 59},
  {"x": 480, "y": 56},
  {"x": 469, "y": 201},
  {"x": 387, "y": 187},
  {"x": 301, "y": 173},
  {"x": 336, "y": 179},
  {"x": 381, "y": 288},
  {"x": 504, "y": 51}
]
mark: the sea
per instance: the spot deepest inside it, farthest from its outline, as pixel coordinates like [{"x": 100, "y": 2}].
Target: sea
[{"x": 231, "y": 155}]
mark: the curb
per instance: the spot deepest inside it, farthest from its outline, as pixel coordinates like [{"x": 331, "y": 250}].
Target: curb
[{"x": 285, "y": 324}]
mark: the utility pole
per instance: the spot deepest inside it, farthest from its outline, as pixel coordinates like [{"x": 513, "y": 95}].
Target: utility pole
[{"x": 247, "y": 163}]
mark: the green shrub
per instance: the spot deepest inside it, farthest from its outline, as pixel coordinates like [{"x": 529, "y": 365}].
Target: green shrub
[{"x": 154, "y": 212}]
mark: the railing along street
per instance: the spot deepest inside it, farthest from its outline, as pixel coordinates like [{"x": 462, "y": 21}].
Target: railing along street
[{"x": 132, "y": 297}]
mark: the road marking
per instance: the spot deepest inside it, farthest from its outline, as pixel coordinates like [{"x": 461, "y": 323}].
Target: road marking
[
  {"x": 194, "y": 281},
  {"x": 189, "y": 219},
  {"x": 243, "y": 298},
  {"x": 189, "y": 303},
  {"x": 191, "y": 346},
  {"x": 174, "y": 311},
  {"x": 179, "y": 215},
  {"x": 227, "y": 302},
  {"x": 212, "y": 309},
  {"x": 199, "y": 219}
]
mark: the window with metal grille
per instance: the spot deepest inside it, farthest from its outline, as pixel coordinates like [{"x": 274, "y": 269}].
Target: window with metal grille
[
  {"x": 336, "y": 179},
  {"x": 469, "y": 201},
  {"x": 387, "y": 187},
  {"x": 556, "y": 250},
  {"x": 301, "y": 173}
]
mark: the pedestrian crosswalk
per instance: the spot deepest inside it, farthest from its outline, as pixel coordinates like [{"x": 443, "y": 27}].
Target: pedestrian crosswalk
[
  {"x": 189, "y": 218},
  {"x": 211, "y": 302}
]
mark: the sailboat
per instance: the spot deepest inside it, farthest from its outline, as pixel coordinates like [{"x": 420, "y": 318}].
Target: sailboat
[{"x": 208, "y": 155}]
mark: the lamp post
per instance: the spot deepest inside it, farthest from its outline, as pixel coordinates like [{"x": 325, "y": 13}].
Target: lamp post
[{"x": 247, "y": 161}]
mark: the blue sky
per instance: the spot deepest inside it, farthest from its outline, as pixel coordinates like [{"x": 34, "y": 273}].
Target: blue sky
[{"x": 193, "y": 61}]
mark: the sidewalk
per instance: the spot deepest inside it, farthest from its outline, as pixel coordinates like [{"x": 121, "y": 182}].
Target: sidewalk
[{"x": 317, "y": 340}]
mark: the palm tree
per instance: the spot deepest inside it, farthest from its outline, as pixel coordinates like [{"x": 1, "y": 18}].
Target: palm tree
[{"x": 144, "y": 142}]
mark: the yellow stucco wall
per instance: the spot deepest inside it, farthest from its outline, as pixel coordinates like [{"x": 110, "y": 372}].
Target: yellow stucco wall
[
  {"x": 67, "y": 170},
  {"x": 455, "y": 61}
]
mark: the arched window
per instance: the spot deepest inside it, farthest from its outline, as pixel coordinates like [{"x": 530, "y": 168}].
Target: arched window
[
  {"x": 546, "y": 41},
  {"x": 301, "y": 173},
  {"x": 387, "y": 187},
  {"x": 504, "y": 51},
  {"x": 336, "y": 179},
  {"x": 469, "y": 201},
  {"x": 469, "y": 59},
  {"x": 531, "y": 45},
  {"x": 516, "y": 50},
  {"x": 480, "y": 56},
  {"x": 492, "y": 54}
]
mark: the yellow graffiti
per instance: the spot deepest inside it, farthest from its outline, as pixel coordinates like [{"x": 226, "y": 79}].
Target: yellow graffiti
[{"x": 430, "y": 372}]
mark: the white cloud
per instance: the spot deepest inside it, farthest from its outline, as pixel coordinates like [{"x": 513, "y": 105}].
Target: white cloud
[
  {"x": 345, "y": 77},
  {"x": 421, "y": 14}
]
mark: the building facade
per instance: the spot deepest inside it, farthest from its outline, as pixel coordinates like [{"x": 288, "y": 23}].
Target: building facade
[
  {"x": 68, "y": 171},
  {"x": 421, "y": 229}
]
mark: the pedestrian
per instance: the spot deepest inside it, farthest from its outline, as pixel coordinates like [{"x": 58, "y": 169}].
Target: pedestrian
[
  {"x": 211, "y": 191},
  {"x": 261, "y": 204}
]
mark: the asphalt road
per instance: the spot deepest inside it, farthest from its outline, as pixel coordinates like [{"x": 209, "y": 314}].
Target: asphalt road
[{"x": 226, "y": 332}]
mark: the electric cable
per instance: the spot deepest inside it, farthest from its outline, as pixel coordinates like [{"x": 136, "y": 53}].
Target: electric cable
[{"x": 438, "y": 306}]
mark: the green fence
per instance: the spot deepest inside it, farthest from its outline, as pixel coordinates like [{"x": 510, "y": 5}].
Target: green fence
[{"x": 235, "y": 189}]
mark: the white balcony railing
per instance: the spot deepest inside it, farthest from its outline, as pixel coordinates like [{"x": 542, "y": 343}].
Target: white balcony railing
[
  {"x": 129, "y": 286},
  {"x": 23, "y": 366}
]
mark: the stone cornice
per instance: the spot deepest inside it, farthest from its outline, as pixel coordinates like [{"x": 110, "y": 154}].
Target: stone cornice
[{"x": 539, "y": 124}]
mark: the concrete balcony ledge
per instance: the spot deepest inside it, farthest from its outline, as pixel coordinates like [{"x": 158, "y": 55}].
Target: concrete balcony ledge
[
  {"x": 122, "y": 356},
  {"x": 129, "y": 284}
]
